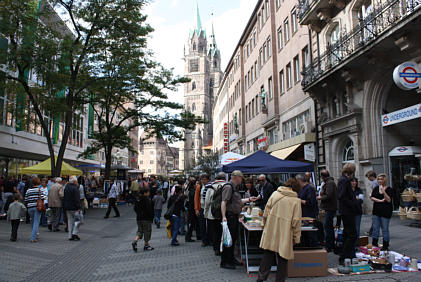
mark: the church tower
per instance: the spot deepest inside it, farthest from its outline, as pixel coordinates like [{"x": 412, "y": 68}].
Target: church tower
[{"x": 202, "y": 64}]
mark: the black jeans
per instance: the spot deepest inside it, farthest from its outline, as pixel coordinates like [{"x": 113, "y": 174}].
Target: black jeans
[
  {"x": 227, "y": 256},
  {"x": 112, "y": 204},
  {"x": 193, "y": 224},
  {"x": 55, "y": 217},
  {"x": 211, "y": 231},
  {"x": 350, "y": 235},
  {"x": 15, "y": 226},
  {"x": 269, "y": 259},
  {"x": 329, "y": 231}
]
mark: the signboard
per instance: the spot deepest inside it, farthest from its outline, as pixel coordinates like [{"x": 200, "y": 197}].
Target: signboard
[
  {"x": 406, "y": 114},
  {"x": 262, "y": 143},
  {"x": 407, "y": 76},
  {"x": 225, "y": 137},
  {"x": 310, "y": 152}
]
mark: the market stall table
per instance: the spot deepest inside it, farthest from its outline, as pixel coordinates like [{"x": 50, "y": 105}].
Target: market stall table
[{"x": 254, "y": 253}]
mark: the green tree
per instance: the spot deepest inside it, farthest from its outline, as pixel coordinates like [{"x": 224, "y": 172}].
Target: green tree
[
  {"x": 133, "y": 89},
  {"x": 207, "y": 163}
]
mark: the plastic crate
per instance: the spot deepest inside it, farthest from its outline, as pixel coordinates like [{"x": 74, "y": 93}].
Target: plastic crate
[{"x": 360, "y": 268}]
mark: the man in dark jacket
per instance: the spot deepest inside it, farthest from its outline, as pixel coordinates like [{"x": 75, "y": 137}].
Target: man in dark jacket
[
  {"x": 348, "y": 206},
  {"x": 72, "y": 207},
  {"x": 144, "y": 217},
  {"x": 328, "y": 202},
  {"x": 265, "y": 191}
]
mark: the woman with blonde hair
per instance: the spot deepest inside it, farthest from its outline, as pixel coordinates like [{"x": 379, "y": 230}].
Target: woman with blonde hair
[
  {"x": 382, "y": 211},
  {"x": 282, "y": 229}
]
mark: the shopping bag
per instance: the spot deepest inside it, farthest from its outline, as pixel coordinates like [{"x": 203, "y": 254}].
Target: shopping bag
[
  {"x": 226, "y": 239},
  {"x": 79, "y": 218},
  {"x": 169, "y": 227}
]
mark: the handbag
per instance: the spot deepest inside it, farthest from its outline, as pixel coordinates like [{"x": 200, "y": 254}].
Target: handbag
[{"x": 40, "y": 202}]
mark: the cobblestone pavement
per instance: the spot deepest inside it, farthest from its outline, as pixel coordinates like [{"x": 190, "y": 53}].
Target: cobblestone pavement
[{"x": 104, "y": 254}]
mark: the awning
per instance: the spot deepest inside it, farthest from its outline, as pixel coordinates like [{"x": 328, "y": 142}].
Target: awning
[
  {"x": 405, "y": 151},
  {"x": 44, "y": 168},
  {"x": 284, "y": 153}
]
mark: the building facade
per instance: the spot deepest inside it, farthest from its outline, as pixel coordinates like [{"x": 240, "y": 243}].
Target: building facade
[
  {"x": 261, "y": 97},
  {"x": 202, "y": 60},
  {"x": 356, "y": 46},
  {"x": 156, "y": 157}
]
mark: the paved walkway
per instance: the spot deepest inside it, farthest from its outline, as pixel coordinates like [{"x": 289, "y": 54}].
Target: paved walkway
[{"x": 104, "y": 254}]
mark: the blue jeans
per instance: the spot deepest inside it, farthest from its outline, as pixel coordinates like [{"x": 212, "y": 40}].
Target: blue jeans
[
  {"x": 44, "y": 220},
  {"x": 157, "y": 216},
  {"x": 175, "y": 222},
  {"x": 357, "y": 227},
  {"x": 35, "y": 218},
  {"x": 329, "y": 231},
  {"x": 383, "y": 223},
  {"x": 202, "y": 223}
]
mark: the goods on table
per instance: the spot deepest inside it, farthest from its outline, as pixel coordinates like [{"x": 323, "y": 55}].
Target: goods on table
[
  {"x": 380, "y": 264},
  {"x": 414, "y": 213},
  {"x": 403, "y": 212},
  {"x": 408, "y": 195},
  {"x": 256, "y": 212},
  {"x": 360, "y": 267}
]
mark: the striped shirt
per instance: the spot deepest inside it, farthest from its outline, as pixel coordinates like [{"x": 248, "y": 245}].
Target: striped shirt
[
  {"x": 203, "y": 194},
  {"x": 32, "y": 195}
]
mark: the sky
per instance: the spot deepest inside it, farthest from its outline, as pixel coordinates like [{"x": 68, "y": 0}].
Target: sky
[{"x": 173, "y": 19}]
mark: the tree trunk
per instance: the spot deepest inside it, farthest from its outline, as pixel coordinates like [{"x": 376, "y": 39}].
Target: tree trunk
[{"x": 108, "y": 160}]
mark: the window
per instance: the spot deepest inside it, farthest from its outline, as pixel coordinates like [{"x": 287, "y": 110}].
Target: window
[
  {"x": 250, "y": 116},
  {"x": 240, "y": 117},
  {"x": 282, "y": 81},
  {"x": 248, "y": 50},
  {"x": 278, "y": 4},
  {"x": 269, "y": 49},
  {"x": 254, "y": 38},
  {"x": 252, "y": 74},
  {"x": 296, "y": 69},
  {"x": 267, "y": 7},
  {"x": 151, "y": 162},
  {"x": 294, "y": 21},
  {"x": 273, "y": 136},
  {"x": 151, "y": 152},
  {"x": 257, "y": 104},
  {"x": 305, "y": 57},
  {"x": 193, "y": 85},
  {"x": 261, "y": 57},
  {"x": 263, "y": 14},
  {"x": 296, "y": 126},
  {"x": 260, "y": 20},
  {"x": 256, "y": 71},
  {"x": 265, "y": 49},
  {"x": 193, "y": 107},
  {"x": 348, "y": 153},
  {"x": 286, "y": 30},
  {"x": 247, "y": 115},
  {"x": 245, "y": 82},
  {"x": 289, "y": 76},
  {"x": 252, "y": 107},
  {"x": 280, "y": 39},
  {"x": 270, "y": 86},
  {"x": 194, "y": 65}
]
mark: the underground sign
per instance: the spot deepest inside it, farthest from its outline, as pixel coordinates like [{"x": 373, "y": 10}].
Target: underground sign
[{"x": 407, "y": 76}]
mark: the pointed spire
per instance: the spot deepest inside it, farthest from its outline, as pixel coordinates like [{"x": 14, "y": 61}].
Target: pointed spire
[
  {"x": 213, "y": 47},
  {"x": 197, "y": 19}
]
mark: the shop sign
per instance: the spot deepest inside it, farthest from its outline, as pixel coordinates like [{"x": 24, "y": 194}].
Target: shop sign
[
  {"x": 407, "y": 76},
  {"x": 225, "y": 137},
  {"x": 406, "y": 114},
  {"x": 310, "y": 152},
  {"x": 262, "y": 143}
]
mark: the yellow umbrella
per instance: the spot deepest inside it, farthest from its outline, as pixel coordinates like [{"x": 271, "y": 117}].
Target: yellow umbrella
[{"x": 45, "y": 169}]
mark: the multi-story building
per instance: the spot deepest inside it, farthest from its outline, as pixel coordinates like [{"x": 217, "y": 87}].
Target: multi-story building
[
  {"x": 203, "y": 66},
  {"x": 266, "y": 107},
  {"x": 23, "y": 143},
  {"x": 156, "y": 157},
  {"x": 356, "y": 47}
]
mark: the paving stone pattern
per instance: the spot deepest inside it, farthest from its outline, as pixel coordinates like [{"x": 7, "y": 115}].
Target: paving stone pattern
[{"x": 105, "y": 254}]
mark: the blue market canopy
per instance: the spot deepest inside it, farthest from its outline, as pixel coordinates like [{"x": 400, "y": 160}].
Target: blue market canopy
[{"x": 261, "y": 162}]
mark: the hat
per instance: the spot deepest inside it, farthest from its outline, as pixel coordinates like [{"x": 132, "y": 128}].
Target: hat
[{"x": 237, "y": 173}]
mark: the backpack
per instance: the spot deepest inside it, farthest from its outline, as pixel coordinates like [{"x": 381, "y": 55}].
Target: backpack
[{"x": 217, "y": 200}]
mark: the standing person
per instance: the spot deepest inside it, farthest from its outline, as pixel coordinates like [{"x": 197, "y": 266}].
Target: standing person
[
  {"x": 372, "y": 177},
  {"x": 153, "y": 186},
  {"x": 214, "y": 226},
  {"x": 82, "y": 195},
  {"x": 329, "y": 203},
  {"x": 144, "y": 217},
  {"x": 9, "y": 188},
  {"x": 280, "y": 233},
  {"x": 16, "y": 210},
  {"x": 359, "y": 195},
  {"x": 112, "y": 199},
  {"x": 348, "y": 205},
  {"x": 158, "y": 202},
  {"x": 265, "y": 190},
  {"x": 134, "y": 186},
  {"x": 250, "y": 189},
  {"x": 199, "y": 204},
  {"x": 192, "y": 221},
  {"x": 382, "y": 211},
  {"x": 32, "y": 195},
  {"x": 55, "y": 197},
  {"x": 72, "y": 207},
  {"x": 178, "y": 200},
  {"x": 165, "y": 188},
  {"x": 309, "y": 207},
  {"x": 44, "y": 189},
  {"x": 21, "y": 187},
  {"x": 231, "y": 206}
]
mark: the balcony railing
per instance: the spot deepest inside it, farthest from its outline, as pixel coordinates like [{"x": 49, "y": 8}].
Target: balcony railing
[
  {"x": 304, "y": 6},
  {"x": 383, "y": 17}
]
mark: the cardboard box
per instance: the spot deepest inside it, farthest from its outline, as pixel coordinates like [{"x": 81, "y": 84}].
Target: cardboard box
[
  {"x": 308, "y": 263},
  {"x": 363, "y": 241}
]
